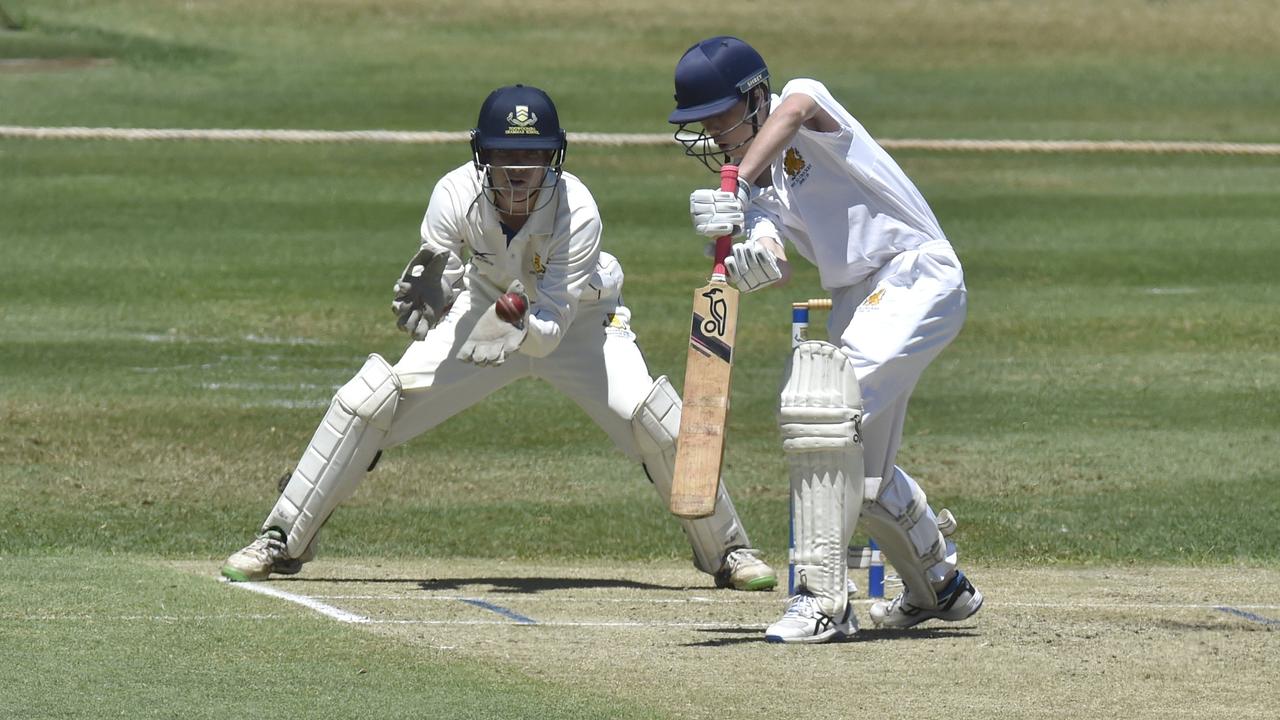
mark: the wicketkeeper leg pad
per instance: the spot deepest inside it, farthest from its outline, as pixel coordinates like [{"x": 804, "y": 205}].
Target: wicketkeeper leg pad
[
  {"x": 820, "y": 414},
  {"x": 897, "y": 514},
  {"x": 656, "y": 425},
  {"x": 339, "y": 455}
]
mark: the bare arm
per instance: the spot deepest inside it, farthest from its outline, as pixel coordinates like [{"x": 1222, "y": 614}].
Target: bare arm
[{"x": 782, "y": 124}]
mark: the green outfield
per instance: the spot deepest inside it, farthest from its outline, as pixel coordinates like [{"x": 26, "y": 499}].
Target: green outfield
[{"x": 174, "y": 317}]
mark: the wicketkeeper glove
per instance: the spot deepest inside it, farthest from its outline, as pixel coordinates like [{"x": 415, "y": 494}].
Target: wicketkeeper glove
[
  {"x": 421, "y": 296},
  {"x": 493, "y": 339}
]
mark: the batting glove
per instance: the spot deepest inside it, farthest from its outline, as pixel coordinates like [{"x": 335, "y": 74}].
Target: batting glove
[
  {"x": 752, "y": 266},
  {"x": 717, "y": 213}
]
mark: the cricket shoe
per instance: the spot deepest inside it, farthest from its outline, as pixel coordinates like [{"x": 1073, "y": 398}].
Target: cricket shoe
[
  {"x": 957, "y": 601},
  {"x": 744, "y": 570},
  {"x": 264, "y": 556},
  {"x": 804, "y": 622}
]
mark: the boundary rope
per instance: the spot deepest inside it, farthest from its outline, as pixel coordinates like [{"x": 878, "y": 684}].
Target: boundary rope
[{"x": 623, "y": 139}]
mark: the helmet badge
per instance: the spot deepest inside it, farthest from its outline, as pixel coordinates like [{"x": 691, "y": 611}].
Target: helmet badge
[{"x": 521, "y": 121}]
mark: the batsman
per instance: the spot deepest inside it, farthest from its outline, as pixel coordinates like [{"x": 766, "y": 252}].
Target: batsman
[
  {"x": 810, "y": 175},
  {"x": 509, "y": 282}
]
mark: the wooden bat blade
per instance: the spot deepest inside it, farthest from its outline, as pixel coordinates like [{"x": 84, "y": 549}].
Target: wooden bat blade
[{"x": 700, "y": 448}]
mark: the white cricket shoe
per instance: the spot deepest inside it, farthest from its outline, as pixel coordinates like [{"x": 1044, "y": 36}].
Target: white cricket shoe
[
  {"x": 744, "y": 570},
  {"x": 804, "y": 622},
  {"x": 957, "y": 601},
  {"x": 264, "y": 556}
]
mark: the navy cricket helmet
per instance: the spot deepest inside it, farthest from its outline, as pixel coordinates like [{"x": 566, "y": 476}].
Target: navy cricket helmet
[
  {"x": 713, "y": 75},
  {"x": 518, "y": 117}
]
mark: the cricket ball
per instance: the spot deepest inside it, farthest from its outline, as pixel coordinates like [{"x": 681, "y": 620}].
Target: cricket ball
[{"x": 511, "y": 307}]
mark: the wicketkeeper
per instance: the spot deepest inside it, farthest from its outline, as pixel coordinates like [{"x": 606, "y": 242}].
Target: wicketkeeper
[
  {"x": 509, "y": 223},
  {"x": 812, "y": 176}
]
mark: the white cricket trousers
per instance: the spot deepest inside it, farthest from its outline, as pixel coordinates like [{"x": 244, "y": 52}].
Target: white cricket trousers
[
  {"x": 597, "y": 364},
  {"x": 892, "y": 325}
]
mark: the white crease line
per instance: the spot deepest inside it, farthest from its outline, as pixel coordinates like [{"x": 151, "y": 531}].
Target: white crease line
[
  {"x": 1130, "y": 606},
  {"x": 326, "y": 610},
  {"x": 578, "y": 624},
  {"x": 554, "y": 599},
  {"x": 349, "y": 617},
  {"x": 768, "y": 599},
  {"x": 136, "y": 618}
]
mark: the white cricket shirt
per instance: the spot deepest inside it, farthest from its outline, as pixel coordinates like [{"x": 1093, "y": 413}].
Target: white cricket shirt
[
  {"x": 554, "y": 254},
  {"x": 839, "y": 199}
]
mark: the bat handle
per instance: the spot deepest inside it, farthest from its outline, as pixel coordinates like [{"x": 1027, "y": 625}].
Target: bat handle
[{"x": 724, "y": 244}]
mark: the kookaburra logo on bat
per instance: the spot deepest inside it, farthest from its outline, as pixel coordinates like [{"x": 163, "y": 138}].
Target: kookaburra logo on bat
[{"x": 714, "y": 325}]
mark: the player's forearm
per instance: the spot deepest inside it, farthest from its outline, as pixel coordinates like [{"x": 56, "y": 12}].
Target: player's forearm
[{"x": 776, "y": 133}]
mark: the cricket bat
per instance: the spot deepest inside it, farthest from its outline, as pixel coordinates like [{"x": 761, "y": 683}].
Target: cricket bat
[{"x": 700, "y": 448}]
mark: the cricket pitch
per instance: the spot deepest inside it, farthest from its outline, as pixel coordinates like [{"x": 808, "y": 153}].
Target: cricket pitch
[{"x": 1048, "y": 643}]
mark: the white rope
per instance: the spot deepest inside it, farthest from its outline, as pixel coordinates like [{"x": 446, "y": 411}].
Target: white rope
[
  {"x": 621, "y": 139},
  {"x": 286, "y": 136},
  {"x": 1088, "y": 146}
]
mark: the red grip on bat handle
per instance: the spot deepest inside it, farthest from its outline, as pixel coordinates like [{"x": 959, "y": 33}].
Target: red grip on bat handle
[{"x": 724, "y": 244}]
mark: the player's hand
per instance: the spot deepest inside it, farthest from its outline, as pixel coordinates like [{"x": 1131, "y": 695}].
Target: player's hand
[
  {"x": 752, "y": 266},
  {"x": 420, "y": 293},
  {"x": 717, "y": 213},
  {"x": 493, "y": 339}
]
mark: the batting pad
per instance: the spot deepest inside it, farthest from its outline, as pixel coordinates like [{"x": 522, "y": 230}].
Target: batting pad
[
  {"x": 656, "y": 425},
  {"x": 820, "y": 414},
  {"x": 898, "y": 516},
  {"x": 339, "y": 455}
]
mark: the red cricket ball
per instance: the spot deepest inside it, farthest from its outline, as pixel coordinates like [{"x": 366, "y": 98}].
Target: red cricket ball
[{"x": 511, "y": 307}]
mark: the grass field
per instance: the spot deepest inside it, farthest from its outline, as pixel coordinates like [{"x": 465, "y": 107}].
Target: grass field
[{"x": 175, "y": 316}]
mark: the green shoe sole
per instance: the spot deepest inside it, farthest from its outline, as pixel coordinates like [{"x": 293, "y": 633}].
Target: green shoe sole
[
  {"x": 233, "y": 574},
  {"x": 762, "y": 583}
]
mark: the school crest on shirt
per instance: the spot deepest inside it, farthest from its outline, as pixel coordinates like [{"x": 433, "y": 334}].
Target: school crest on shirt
[
  {"x": 796, "y": 167},
  {"x": 538, "y": 268},
  {"x": 873, "y": 300}
]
